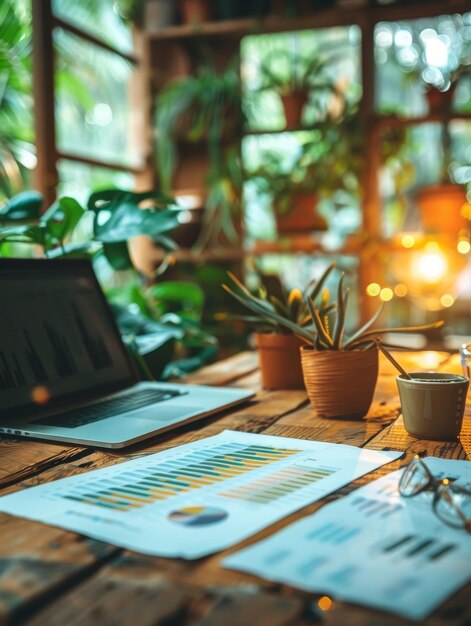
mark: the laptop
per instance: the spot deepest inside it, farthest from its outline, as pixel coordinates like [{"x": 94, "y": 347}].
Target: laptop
[{"x": 66, "y": 375}]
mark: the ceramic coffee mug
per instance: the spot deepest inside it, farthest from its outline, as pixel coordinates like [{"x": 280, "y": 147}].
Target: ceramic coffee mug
[{"x": 433, "y": 404}]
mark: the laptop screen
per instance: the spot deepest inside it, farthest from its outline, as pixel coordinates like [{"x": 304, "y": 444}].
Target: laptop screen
[{"x": 57, "y": 336}]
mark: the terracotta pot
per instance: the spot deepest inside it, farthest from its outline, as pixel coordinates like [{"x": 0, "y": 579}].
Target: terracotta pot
[
  {"x": 340, "y": 383},
  {"x": 159, "y": 14},
  {"x": 440, "y": 101},
  {"x": 279, "y": 358},
  {"x": 195, "y": 11},
  {"x": 301, "y": 215},
  {"x": 440, "y": 208},
  {"x": 293, "y": 106}
]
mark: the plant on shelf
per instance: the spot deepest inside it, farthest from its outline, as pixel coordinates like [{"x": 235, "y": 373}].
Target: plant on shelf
[
  {"x": 443, "y": 206},
  {"x": 205, "y": 107},
  {"x": 102, "y": 232},
  {"x": 340, "y": 370},
  {"x": 438, "y": 77},
  {"x": 329, "y": 159},
  {"x": 279, "y": 314},
  {"x": 300, "y": 78}
]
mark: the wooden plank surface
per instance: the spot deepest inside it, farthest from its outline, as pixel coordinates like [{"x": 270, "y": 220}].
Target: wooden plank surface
[
  {"x": 20, "y": 458},
  {"x": 50, "y": 576}
]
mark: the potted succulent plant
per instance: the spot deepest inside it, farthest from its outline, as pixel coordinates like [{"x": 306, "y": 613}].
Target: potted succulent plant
[
  {"x": 339, "y": 371},
  {"x": 279, "y": 316}
]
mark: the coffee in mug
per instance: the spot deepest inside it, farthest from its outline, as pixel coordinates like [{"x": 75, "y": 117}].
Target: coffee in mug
[{"x": 433, "y": 404}]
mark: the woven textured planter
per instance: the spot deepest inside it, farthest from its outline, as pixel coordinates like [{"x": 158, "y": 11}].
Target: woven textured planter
[
  {"x": 340, "y": 383},
  {"x": 280, "y": 362}
]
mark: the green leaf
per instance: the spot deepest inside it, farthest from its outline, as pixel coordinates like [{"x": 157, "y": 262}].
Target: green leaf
[
  {"x": 117, "y": 255},
  {"x": 33, "y": 234},
  {"x": 270, "y": 315},
  {"x": 403, "y": 329},
  {"x": 100, "y": 199},
  {"x": 124, "y": 220},
  {"x": 61, "y": 218},
  {"x": 361, "y": 332},
  {"x": 73, "y": 251},
  {"x": 24, "y": 206},
  {"x": 187, "y": 296},
  {"x": 323, "y": 335},
  {"x": 315, "y": 286},
  {"x": 341, "y": 313}
]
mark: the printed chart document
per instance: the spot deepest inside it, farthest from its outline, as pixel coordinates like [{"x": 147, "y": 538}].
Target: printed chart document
[
  {"x": 198, "y": 498},
  {"x": 372, "y": 547}
]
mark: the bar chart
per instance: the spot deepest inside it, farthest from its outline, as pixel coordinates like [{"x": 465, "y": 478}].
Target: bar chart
[
  {"x": 201, "y": 497},
  {"x": 278, "y": 484},
  {"x": 142, "y": 487},
  {"x": 347, "y": 546}
]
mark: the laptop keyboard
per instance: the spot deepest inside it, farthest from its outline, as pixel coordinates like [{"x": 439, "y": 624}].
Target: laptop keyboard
[{"x": 108, "y": 408}]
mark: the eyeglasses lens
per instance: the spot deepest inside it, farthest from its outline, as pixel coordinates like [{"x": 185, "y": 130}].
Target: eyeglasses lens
[
  {"x": 415, "y": 479},
  {"x": 453, "y": 506}
]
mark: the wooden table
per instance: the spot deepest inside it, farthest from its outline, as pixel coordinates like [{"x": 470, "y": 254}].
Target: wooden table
[{"x": 52, "y": 577}]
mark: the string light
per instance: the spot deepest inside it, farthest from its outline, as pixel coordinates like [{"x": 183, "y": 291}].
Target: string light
[
  {"x": 373, "y": 289},
  {"x": 400, "y": 290},
  {"x": 447, "y": 300},
  {"x": 408, "y": 241},
  {"x": 463, "y": 247},
  {"x": 386, "y": 294}
]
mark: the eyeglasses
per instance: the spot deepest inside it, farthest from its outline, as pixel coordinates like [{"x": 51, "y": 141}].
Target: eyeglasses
[{"x": 451, "y": 503}]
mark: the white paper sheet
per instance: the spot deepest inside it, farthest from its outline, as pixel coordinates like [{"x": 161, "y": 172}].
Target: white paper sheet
[
  {"x": 372, "y": 547},
  {"x": 198, "y": 498}
]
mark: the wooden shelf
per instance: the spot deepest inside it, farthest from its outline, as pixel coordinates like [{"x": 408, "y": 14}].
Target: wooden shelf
[
  {"x": 378, "y": 119},
  {"x": 189, "y": 255},
  {"x": 323, "y": 18},
  {"x": 393, "y": 120},
  {"x": 307, "y": 244},
  {"x": 255, "y": 133}
]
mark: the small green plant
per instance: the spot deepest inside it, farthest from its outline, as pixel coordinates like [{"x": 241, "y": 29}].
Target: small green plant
[
  {"x": 205, "y": 107},
  {"x": 283, "y": 311},
  {"x": 286, "y": 71},
  {"x": 328, "y": 161},
  {"x": 157, "y": 322},
  {"x": 324, "y": 326},
  {"x": 111, "y": 218}
]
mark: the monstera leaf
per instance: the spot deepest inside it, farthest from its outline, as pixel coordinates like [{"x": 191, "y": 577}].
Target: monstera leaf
[{"x": 24, "y": 206}]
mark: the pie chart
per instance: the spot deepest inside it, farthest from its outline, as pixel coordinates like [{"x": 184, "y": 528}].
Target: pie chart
[{"x": 198, "y": 515}]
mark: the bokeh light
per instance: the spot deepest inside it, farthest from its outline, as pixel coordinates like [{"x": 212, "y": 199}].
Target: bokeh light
[
  {"x": 408, "y": 241},
  {"x": 386, "y": 294},
  {"x": 400, "y": 290},
  {"x": 373, "y": 289},
  {"x": 447, "y": 300},
  {"x": 324, "y": 603}
]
